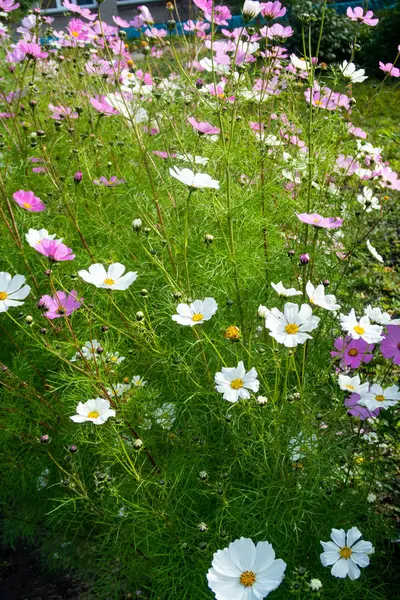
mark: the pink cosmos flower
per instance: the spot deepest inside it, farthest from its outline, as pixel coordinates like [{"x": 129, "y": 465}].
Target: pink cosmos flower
[
  {"x": 8, "y": 5},
  {"x": 112, "y": 182},
  {"x": 358, "y": 15},
  {"x": 79, "y": 30},
  {"x": 102, "y": 106},
  {"x": 60, "y": 304},
  {"x": 203, "y": 127},
  {"x": 356, "y": 410},
  {"x": 325, "y": 98},
  {"x": 153, "y": 32},
  {"x": 390, "y": 345},
  {"x": 347, "y": 163},
  {"x": 83, "y": 12},
  {"x": 61, "y": 112},
  {"x": 198, "y": 27},
  {"x": 120, "y": 22},
  {"x": 146, "y": 15},
  {"x": 318, "y": 221},
  {"x": 389, "y": 68},
  {"x": 55, "y": 250},
  {"x": 352, "y": 352},
  {"x": 356, "y": 131},
  {"x": 31, "y": 50},
  {"x": 29, "y": 201},
  {"x": 163, "y": 154},
  {"x": 277, "y": 31},
  {"x": 273, "y": 10}
]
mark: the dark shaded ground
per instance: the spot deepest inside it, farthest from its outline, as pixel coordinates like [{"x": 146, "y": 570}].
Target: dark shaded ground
[{"x": 22, "y": 577}]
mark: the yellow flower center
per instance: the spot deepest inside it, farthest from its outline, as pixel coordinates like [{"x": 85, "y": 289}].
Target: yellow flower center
[
  {"x": 379, "y": 398},
  {"x": 346, "y": 552},
  {"x": 353, "y": 352},
  {"x": 358, "y": 329},
  {"x": 109, "y": 281},
  {"x": 75, "y": 33},
  {"x": 291, "y": 328},
  {"x": 114, "y": 358},
  {"x": 93, "y": 414},
  {"x": 197, "y": 317},
  {"x": 232, "y": 333},
  {"x": 236, "y": 384},
  {"x": 247, "y": 578},
  {"x": 221, "y": 95},
  {"x": 350, "y": 387},
  {"x": 138, "y": 382},
  {"x": 3, "y": 295},
  {"x": 319, "y": 103},
  {"x": 26, "y": 205}
]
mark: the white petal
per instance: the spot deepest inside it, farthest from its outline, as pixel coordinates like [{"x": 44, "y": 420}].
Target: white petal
[{"x": 340, "y": 568}]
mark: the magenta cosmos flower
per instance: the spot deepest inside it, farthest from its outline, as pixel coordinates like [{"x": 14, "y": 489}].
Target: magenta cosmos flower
[
  {"x": 54, "y": 250},
  {"x": 273, "y": 10},
  {"x": 60, "y": 305},
  {"x": 389, "y": 68},
  {"x": 390, "y": 345},
  {"x": 112, "y": 182},
  {"x": 29, "y": 201},
  {"x": 8, "y": 5},
  {"x": 356, "y": 410},
  {"x": 357, "y": 14},
  {"x": 203, "y": 127},
  {"x": 318, "y": 221},
  {"x": 352, "y": 352}
]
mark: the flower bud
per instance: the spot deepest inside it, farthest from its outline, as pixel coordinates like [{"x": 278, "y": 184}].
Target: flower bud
[
  {"x": 290, "y": 253},
  {"x": 78, "y": 177},
  {"x": 304, "y": 259},
  {"x": 45, "y": 439},
  {"x": 139, "y": 315},
  {"x": 137, "y": 224},
  {"x": 203, "y": 475},
  {"x": 171, "y": 24},
  {"x": 208, "y": 238},
  {"x": 29, "y": 319},
  {"x": 137, "y": 444},
  {"x": 73, "y": 449},
  {"x": 262, "y": 400},
  {"x": 199, "y": 83}
]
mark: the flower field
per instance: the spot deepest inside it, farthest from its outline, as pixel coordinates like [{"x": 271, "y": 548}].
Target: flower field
[{"x": 199, "y": 314}]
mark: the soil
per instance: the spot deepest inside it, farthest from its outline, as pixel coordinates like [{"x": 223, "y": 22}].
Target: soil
[{"x": 22, "y": 577}]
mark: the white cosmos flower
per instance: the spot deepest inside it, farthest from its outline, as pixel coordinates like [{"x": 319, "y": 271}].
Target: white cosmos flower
[
  {"x": 350, "y": 72},
  {"x": 352, "y": 384},
  {"x": 316, "y": 295},
  {"x": 164, "y": 416},
  {"x": 361, "y": 328},
  {"x": 282, "y": 291},
  {"x": 374, "y": 252},
  {"x": 367, "y": 200},
  {"x": 194, "y": 180},
  {"x": 315, "y": 585},
  {"x": 245, "y": 571},
  {"x": 97, "y": 411},
  {"x": 35, "y": 236},
  {"x": 301, "y": 445},
  {"x": 345, "y": 553},
  {"x": 12, "y": 290},
  {"x": 126, "y": 108},
  {"x": 234, "y": 383},
  {"x": 251, "y": 9},
  {"x": 299, "y": 63},
  {"x": 262, "y": 311},
  {"x": 112, "y": 279},
  {"x": 114, "y": 358},
  {"x": 137, "y": 381},
  {"x": 118, "y": 389},
  {"x": 209, "y": 66},
  {"x": 89, "y": 351},
  {"x": 377, "y": 397},
  {"x": 382, "y": 318},
  {"x": 195, "y": 313},
  {"x": 290, "y": 327}
]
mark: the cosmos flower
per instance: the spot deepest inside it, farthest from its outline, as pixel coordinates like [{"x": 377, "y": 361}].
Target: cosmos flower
[
  {"x": 352, "y": 352},
  {"x": 346, "y": 553},
  {"x": 350, "y": 72},
  {"x": 12, "y": 290},
  {"x": 194, "y": 180},
  {"x": 35, "y": 236},
  {"x": 195, "y": 313},
  {"x": 301, "y": 445},
  {"x": 234, "y": 382},
  {"x": 114, "y": 358},
  {"x": 317, "y": 296},
  {"x": 272, "y": 10},
  {"x": 89, "y": 351},
  {"x": 374, "y": 252},
  {"x": 378, "y": 316},
  {"x": 203, "y": 127},
  {"x": 29, "y": 201},
  {"x": 290, "y": 327},
  {"x": 55, "y": 250},
  {"x": 245, "y": 571},
  {"x": 282, "y": 291},
  {"x": 112, "y": 279},
  {"x": 60, "y": 305},
  {"x": 318, "y": 221},
  {"x": 112, "y": 182},
  {"x": 390, "y": 345},
  {"x": 97, "y": 411},
  {"x": 137, "y": 381},
  {"x": 360, "y": 328},
  {"x": 377, "y": 397},
  {"x": 368, "y": 201},
  {"x": 352, "y": 384},
  {"x": 356, "y": 410},
  {"x": 251, "y": 9},
  {"x": 357, "y": 14},
  {"x": 8, "y": 5}
]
